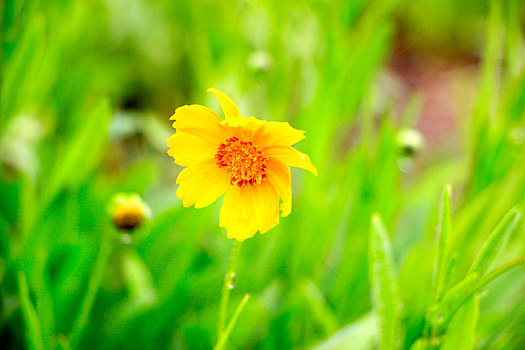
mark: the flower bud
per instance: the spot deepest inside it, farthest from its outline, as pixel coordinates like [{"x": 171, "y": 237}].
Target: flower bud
[
  {"x": 410, "y": 142},
  {"x": 128, "y": 211}
]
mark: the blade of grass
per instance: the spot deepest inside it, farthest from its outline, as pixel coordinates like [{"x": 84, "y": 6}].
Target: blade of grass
[
  {"x": 82, "y": 152},
  {"x": 360, "y": 334},
  {"x": 489, "y": 75},
  {"x": 92, "y": 290},
  {"x": 452, "y": 297},
  {"x": 514, "y": 42},
  {"x": 34, "y": 331},
  {"x": 21, "y": 68},
  {"x": 229, "y": 328},
  {"x": 474, "y": 284},
  {"x": 461, "y": 333},
  {"x": 385, "y": 298},
  {"x": 485, "y": 107},
  {"x": 443, "y": 233},
  {"x": 495, "y": 242},
  {"x": 323, "y": 312}
]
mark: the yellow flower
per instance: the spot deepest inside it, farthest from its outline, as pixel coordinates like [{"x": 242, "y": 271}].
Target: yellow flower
[{"x": 246, "y": 159}]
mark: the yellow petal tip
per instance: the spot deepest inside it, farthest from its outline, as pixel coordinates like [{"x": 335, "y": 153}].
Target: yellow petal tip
[{"x": 229, "y": 108}]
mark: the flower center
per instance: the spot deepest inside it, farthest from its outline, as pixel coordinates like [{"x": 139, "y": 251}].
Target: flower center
[{"x": 243, "y": 160}]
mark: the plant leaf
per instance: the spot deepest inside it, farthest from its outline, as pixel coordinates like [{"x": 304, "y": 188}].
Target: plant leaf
[
  {"x": 461, "y": 332},
  {"x": 357, "y": 335},
  {"x": 495, "y": 242},
  {"x": 443, "y": 233},
  {"x": 385, "y": 297},
  {"x": 95, "y": 280},
  {"x": 457, "y": 296},
  {"x": 81, "y": 153},
  {"x": 34, "y": 331},
  {"x": 320, "y": 307},
  {"x": 453, "y": 298}
]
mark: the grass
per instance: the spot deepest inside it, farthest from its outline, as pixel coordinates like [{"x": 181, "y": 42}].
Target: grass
[{"x": 375, "y": 254}]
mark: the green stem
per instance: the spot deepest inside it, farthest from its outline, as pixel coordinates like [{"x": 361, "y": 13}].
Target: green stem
[
  {"x": 93, "y": 287},
  {"x": 223, "y": 336},
  {"x": 34, "y": 330},
  {"x": 228, "y": 284}
]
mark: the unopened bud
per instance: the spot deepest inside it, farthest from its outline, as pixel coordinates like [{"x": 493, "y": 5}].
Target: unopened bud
[
  {"x": 128, "y": 211},
  {"x": 410, "y": 142}
]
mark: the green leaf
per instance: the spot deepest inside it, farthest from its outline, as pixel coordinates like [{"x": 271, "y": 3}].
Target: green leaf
[
  {"x": 93, "y": 287},
  {"x": 357, "y": 335},
  {"x": 20, "y": 70},
  {"x": 472, "y": 284},
  {"x": 34, "y": 331},
  {"x": 385, "y": 299},
  {"x": 422, "y": 344},
  {"x": 491, "y": 276},
  {"x": 461, "y": 332},
  {"x": 453, "y": 299},
  {"x": 493, "y": 51},
  {"x": 495, "y": 242},
  {"x": 321, "y": 309},
  {"x": 443, "y": 233},
  {"x": 82, "y": 153},
  {"x": 514, "y": 42}
]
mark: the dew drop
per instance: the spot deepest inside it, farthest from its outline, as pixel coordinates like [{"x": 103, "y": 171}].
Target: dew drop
[{"x": 233, "y": 278}]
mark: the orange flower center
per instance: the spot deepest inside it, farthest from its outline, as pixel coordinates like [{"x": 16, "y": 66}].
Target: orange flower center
[{"x": 243, "y": 160}]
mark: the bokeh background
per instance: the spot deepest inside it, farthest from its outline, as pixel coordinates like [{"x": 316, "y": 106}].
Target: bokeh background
[{"x": 87, "y": 89}]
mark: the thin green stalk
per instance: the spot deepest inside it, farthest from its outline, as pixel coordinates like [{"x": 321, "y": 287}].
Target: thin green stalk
[
  {"x": 480, "y": 284},
  {"x": 223, "y": 336},
  {"x": 34, "y": 330},
  {"x": 92, "y": 290},
  {"x": 228, "y": 285}
]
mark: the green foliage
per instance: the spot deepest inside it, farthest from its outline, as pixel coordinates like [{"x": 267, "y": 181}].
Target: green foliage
[
  {"x": 86, "y": 93},
  {"x": 495, "y": 241},
  {"x": 34, "y": 332},
  {"x": 385, "y": 299},
  {"x": 462, "y": 329}
]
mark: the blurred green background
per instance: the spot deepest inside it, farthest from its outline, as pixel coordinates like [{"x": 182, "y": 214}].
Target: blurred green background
[{"x": 87, "y": 88}]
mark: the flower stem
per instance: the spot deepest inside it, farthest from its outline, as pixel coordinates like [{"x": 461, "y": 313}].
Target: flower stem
[
  {"x": 225, "y": 334},
  {"x": 228, "y": 284}
]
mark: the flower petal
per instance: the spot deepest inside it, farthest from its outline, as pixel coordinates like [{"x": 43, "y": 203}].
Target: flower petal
[
  {"x": 244, "y": 128},
  {"x": 289, "y": 156},
  {"x": 265, "y": 204},
  {"x": 278, "y": 133},
  {"x": 229, "y": 108},
  {"x": 235, "y": 214},
  {"x": 247, "y": 210},
  {"x": 202, "y": 183},
  {"x": 188, "y": 149},
  {"x": 278, "y": 175},
  {"x": 200, "y": 121}
]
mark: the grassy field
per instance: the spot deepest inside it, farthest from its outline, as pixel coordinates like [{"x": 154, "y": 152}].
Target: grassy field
[{"x": 396, "y": 244}]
